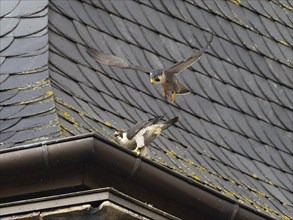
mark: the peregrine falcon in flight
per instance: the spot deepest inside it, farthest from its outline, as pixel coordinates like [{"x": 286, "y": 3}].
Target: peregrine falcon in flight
[
  {"x": 167, "y": 77},
  {"x": 143, "y": 133}
]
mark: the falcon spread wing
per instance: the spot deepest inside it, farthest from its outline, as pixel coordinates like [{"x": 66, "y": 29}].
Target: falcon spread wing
[
  {"x": 140, "y": 125},
  {"x": 184, "y": 64},
  {"x": 111, "y": 60}
]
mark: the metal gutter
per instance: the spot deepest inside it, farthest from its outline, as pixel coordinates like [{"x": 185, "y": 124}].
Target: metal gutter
[{"x": 93, "y": 149}]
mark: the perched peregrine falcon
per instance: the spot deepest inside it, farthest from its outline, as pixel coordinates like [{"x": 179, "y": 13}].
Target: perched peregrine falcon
[
  {"x": 167, "y": 77},
  {"x": 143, "y": 133}
]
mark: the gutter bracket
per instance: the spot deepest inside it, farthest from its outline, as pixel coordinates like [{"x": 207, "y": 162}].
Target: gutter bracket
[
  {"x": 135, "y": 168},
  {"x": 235, "y": 210}
]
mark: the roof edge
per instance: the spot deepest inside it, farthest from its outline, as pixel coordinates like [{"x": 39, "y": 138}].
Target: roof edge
[{"x": 94, "y": 149}]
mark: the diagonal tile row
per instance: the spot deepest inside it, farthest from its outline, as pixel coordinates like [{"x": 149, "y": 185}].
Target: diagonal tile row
[{"x": 252, "y": 26}]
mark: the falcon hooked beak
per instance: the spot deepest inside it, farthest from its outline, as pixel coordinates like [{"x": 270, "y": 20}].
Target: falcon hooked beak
[{"x": 155, "y": 80}]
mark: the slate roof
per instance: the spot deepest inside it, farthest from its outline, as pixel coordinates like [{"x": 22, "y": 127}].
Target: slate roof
[{"x": 235, "y": 132}]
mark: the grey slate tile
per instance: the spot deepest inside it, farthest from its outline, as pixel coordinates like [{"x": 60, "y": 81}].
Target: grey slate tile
[
  {"x": 7, "y": 8},
  {"x": 87, "y": 108},
  {"x": 2, "y": 60},
  {"x": 41, "y": 133},
  {"x": 196, "y": 20},
  {"x": 251, "y": 82},
  {"x": 283, "y": 15},
  {"x": 238, "y": 98},
  {"x": 30, "y": 26},
  {"x": 136, "y": 32},
  {"x": 65, "y": 26},
  {"x": 27, "y": 123},
  {"x": 84, "y": 34},
  {"x": 65, "y": 8},
  {"x": 6, "y": 135},
  {"x": 215, "y": 135},
  {"x": 269, "y": 113},
  {"x": 282, "y": 160},
  {"x": 25, "y": 80},
  {"x": 246, "y": 59},
  {"x": 283, "y": 116},
  {"x": 196, "y": 126},
  {"x": 171, "y": 47},
  {"x": 269, "y": 174},
  {"x": 8, "y": 123},
  {"x": 172, "y": 27},
  {"x": 138, "y": 99},
  {"x": 136, "y": 11},
  {"x": 155, "y": 43},
  {"x": 154, "y": 19},
  {"x": 35, "y": 109},
  {"x": 209, "y": 110},
  {"x": 79, "y": 9},
  {"x": 152, "y": 105},
  {"x": 254, "y": 106},
  {"x": 248, "y": 146},
  {"x": 286, "y": 138},
  {"x": 257, "y": 130},
  {"x": 64, "y": 46},
  {"x": 23, "y": 64},
  {"x": 3, "y": 77},
  {"x": 118, "y": 7},
  {"x": 172, "y": 8},
  {"x": 24, "y": 8},
  {"x": 284, "y": 179},
  {"x": 286, "y": 158},
  {"x": 24, "y": 46},
  {"x": 285, "y": 94},
  {"x": 93, "y": 14},
  {"x": 206, "y": 83},
  {"x": 242, "y": 124},
  {"x": 122, "y": 28},
  {"x": 5, "y": 95},
  {"x": 280, "y": 72},
  {"x": 8, "y": 25},
  {"x": 274, "y": 192},
  {"x": 181, "y": 8},
  {"x": 8, "y": 111},
  {"x": 252, "y": 170},
  {"x": 70, "y": 69}
]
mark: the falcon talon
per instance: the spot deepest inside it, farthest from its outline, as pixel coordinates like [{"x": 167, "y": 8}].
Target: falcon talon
[
  {"x": 173, "y": 97},
  {"x": 166, "y": 77},
  {"x": 143, "y": 133},
  {"x": 136, "y": 151}
]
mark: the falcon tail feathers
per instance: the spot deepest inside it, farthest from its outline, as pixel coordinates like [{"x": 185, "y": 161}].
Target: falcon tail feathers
[{"x": 169, "y": 123}]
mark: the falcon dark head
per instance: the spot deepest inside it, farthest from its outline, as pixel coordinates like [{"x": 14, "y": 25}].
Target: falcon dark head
[{"x": 157, "y": 76}]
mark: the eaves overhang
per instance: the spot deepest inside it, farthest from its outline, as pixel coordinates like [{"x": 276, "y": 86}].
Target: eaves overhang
[
  {"x": 97, "y": 200},
  {"x": 34, "y": 162}
]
